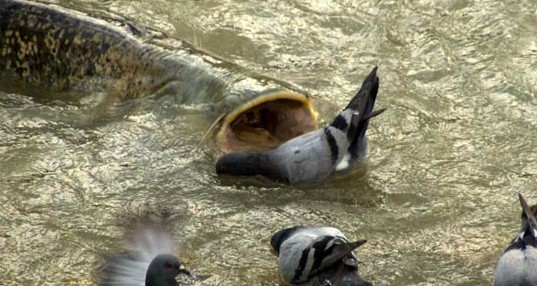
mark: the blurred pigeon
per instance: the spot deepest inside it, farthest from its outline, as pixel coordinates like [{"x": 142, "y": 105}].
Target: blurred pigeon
[{"x": 150, "y": 261}]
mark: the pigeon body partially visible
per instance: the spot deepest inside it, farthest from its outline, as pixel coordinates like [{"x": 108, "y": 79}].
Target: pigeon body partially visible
[
  {"x": 518, "y": 264},
  {"x": 315, "y": 156},
  {"x": 150, "y": 261},
  {"x": 317, "y": 256}
]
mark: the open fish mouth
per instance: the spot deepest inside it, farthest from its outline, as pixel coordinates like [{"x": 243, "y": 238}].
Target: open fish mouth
[
  {"x": 266, "y": 122},
  {"x": 126, "y": 63}
]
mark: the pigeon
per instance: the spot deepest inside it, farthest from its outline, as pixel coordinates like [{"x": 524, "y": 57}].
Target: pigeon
[
  {"x": 150, "y": 260},
  {"x": 518, "y": 264},
  {"x": 317, "y": 256},
  {"x": 314, "y": 156}
]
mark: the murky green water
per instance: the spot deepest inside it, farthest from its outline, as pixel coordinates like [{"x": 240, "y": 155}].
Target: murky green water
[{"x": 438, "y": 201}]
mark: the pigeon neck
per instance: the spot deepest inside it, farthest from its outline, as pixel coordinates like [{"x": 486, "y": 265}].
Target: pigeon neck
[{"x": 270, "y": 165}]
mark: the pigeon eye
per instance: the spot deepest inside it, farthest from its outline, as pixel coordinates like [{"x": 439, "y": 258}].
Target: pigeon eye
[{"x": 168, "y": 265}]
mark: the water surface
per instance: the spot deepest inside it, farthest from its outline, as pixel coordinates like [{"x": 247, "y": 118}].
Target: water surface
[{"x": 436, "y": 200}]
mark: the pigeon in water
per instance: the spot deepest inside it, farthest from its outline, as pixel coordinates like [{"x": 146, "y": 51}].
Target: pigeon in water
[
  {"x": 314, "y": 156},
  {"x": 319, "y": 256},
  {"x": 518, "y": 264},
  {"x": 150, "y": 261}
]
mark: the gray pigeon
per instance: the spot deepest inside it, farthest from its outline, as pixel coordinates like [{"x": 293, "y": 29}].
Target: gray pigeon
[
  {"x": 319, "y": 256},
  {"x": 150, "y": 260},
  {"x": 518, "y": 264},
  {"x": 314, "y": 156}
]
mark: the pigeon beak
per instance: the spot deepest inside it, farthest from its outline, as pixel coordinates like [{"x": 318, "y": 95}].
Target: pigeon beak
[{"x": 183, "y": 270}]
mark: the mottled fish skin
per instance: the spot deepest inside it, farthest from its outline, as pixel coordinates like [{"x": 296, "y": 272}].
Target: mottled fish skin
[
  {"x": 316, "y": 256},
  {"x": 60, "y": 49},
  {"x": 315, "y": 156},
  {"x": 518, "y": 264}
]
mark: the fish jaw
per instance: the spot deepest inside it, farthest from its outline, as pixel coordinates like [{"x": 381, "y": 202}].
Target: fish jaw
[{"x": 265, "y": 122}]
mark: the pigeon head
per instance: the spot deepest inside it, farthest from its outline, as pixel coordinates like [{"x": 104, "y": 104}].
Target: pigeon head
[
  {"x": 238, "y": 164},
  {"x": 340, "y": 274},
  {"x": 252, "y": 164},
  {"x": 351, "y": 278},
  {"x": 163, "y": 269},
  {"x": 149, "y": 260}
]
